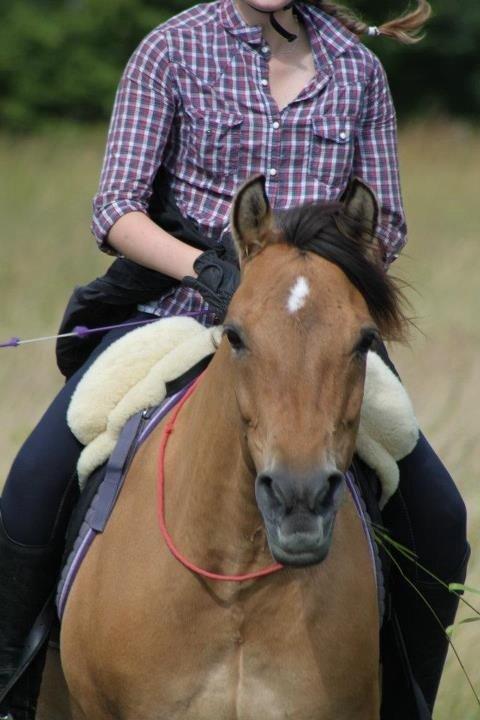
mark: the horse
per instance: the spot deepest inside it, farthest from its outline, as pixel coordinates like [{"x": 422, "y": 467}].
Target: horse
[{"x": 254, "y": 468}]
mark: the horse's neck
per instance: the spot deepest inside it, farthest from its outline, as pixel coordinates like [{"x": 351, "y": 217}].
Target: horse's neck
[{"x": 210, "y": 496}]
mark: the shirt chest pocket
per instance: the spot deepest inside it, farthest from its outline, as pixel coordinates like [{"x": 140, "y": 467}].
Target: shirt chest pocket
[
  {"x": 213, "y": 141},
  {"x": 331, "y": 149}
]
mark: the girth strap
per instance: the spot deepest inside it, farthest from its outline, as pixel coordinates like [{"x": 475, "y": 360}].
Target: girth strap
[{"x": 135, "y": 431}]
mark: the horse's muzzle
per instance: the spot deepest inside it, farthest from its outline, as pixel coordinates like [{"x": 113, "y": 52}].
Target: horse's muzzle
[{"x": 299, "y": 513}]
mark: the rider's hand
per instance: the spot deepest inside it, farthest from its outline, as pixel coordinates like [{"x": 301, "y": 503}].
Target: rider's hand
[{"x": 216, "y": 281}]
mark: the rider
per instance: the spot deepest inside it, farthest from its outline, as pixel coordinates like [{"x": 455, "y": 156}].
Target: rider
[{"x": 217, "y": 93}]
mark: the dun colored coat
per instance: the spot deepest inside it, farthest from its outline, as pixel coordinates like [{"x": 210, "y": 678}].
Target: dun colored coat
[{"x": 254, "y": 468}]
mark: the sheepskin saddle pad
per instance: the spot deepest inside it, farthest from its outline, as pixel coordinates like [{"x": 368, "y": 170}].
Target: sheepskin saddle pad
[{"x": 132, "y": 374}]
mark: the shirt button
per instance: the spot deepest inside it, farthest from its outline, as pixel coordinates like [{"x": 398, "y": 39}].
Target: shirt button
[
  {"x": 275, "y": 125},
  {"x": 264, "y": 82},
  {"x": 272, "y": 172},
  {"x": 342, "y": 135},
  {"x": 265, "y": 49}
]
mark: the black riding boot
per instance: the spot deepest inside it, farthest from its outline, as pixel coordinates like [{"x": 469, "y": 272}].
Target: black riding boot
[{"x": 27, "y": 578}]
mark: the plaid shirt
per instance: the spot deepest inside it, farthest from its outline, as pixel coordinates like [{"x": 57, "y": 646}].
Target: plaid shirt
[{"x": 195, "y": 99}]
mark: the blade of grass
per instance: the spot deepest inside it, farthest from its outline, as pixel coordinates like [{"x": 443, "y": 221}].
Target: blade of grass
[
  {"x": 410, "y": 555},
  {"x": 463, "y": 588},
  {"x": 449, "y": 630}
]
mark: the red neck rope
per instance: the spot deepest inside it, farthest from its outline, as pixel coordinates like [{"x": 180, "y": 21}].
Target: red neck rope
[{"x": 168, "y": 429}]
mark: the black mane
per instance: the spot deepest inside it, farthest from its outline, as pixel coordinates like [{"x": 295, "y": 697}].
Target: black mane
[{"x": 315, "y": 227}]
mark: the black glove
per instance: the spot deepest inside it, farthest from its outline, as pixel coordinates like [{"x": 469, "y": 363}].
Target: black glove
[{"x": 217, "y": 280}]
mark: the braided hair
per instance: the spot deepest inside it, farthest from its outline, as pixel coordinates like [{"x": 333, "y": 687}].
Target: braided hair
[{"x": 406, "y": 28}]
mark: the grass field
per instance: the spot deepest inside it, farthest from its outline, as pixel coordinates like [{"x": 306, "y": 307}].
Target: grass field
[{"x": 47, "y": 248}]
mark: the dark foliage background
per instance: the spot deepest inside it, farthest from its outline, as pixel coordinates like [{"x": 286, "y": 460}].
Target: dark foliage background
[
  {"x": 63, "y": 58},
  {"x": 441, "y": 73}
]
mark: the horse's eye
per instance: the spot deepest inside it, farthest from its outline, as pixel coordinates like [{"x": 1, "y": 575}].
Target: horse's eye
[
  {"x": 368, "y": 338},
  {"x": 234, "y": 338}
]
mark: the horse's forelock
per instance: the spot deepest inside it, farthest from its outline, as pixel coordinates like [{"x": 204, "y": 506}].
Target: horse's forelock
[{"x": 314, "y": 228}]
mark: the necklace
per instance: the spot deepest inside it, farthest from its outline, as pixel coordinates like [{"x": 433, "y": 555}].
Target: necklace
[{"x": 288, "y": 48}]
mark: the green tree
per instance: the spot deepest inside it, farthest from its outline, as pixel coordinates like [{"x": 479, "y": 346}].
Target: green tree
[
  {"x": 442, "y": 72},
  {"x": 63, "y": 58}
]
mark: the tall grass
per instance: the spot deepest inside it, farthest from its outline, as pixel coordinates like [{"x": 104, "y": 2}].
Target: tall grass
[{"x": 47, "y": 249}]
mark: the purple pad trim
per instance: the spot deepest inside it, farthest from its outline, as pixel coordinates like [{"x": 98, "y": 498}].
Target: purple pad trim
[
  {"x": 66, "y": 581},
  {"x": 358, "y": 505},
  {"x": 160, "y": 412},
  {"x": 372, "y": 547}
]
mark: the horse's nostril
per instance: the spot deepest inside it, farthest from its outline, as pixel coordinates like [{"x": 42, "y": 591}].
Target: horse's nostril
[
  {"x": 271, "y": 490},
  {"x": 326, "y": 496},
  {"x": 264, "y": 483},
  {"x": 335, "y": 480},
  {"x": 286, "y": 494}
]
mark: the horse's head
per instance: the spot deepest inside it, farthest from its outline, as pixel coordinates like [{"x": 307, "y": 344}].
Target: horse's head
[{"x": 313, "y": 299}]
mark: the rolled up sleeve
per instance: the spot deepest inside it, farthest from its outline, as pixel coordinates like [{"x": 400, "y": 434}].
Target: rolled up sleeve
[
  {"x": 376, "y": 161},
  {"x": 139, "y": 130}
]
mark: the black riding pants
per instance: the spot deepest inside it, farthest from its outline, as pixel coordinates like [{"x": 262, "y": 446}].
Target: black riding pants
[
  {"x": 40, "y": 476},
  {"x": 427, "y": 514}
]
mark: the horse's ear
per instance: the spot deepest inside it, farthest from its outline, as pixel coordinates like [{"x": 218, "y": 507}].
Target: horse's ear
[
  {"x": 361, "y": 205},
  {"x": 252, "y": 222}
]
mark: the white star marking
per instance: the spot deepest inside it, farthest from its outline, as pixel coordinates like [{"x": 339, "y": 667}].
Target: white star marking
[{"x": 298, "y": 294}]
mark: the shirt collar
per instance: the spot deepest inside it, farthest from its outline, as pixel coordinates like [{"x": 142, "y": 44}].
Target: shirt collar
[
  {"x": 232, "y": 20},
  {"x": 328, "y": 37}
]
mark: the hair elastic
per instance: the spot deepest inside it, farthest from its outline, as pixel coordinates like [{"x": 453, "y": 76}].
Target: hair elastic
[{"x": 373, "y": 31}]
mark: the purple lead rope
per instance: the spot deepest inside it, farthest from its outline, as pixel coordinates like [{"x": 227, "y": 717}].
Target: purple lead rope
[{"x": 81, "y": 331}]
